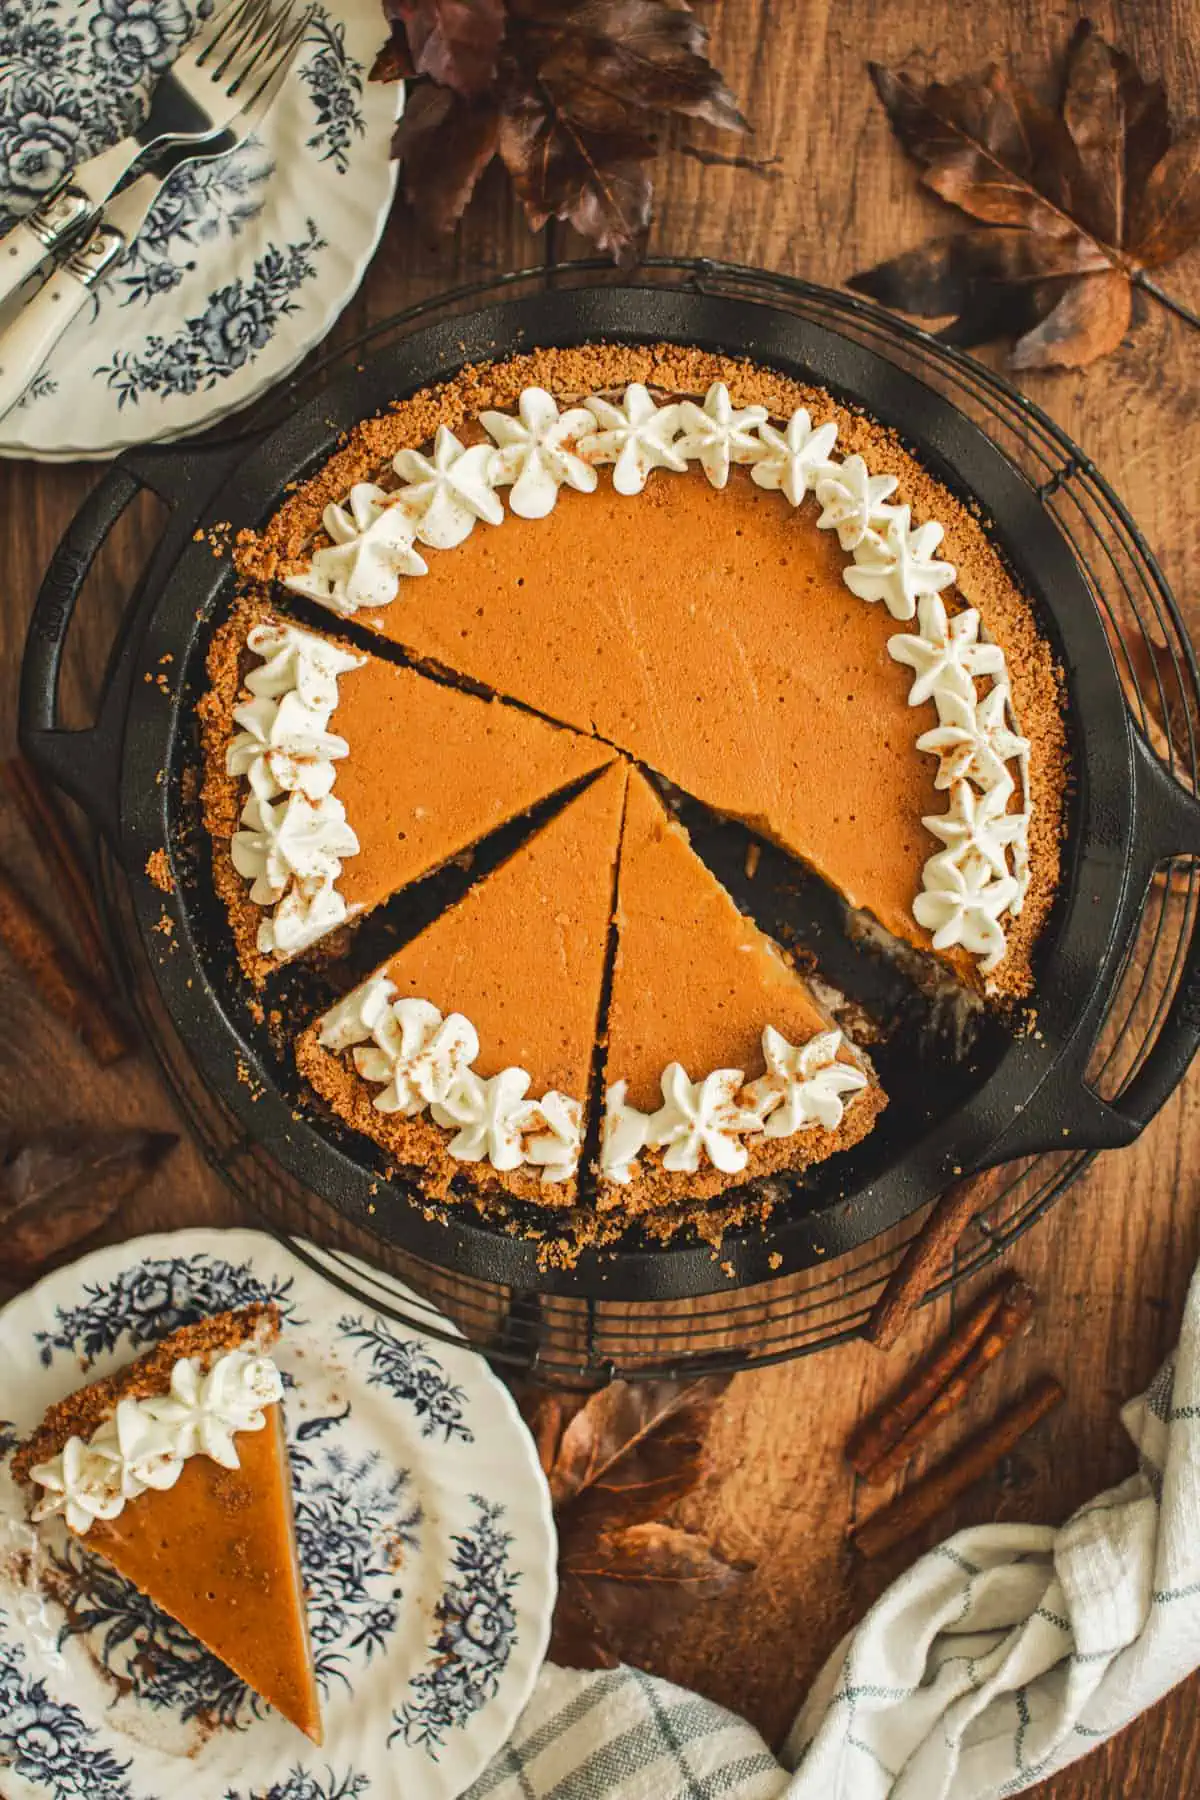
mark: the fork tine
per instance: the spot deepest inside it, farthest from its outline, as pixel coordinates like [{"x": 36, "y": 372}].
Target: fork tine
[
  {"x": 212, "y": 35},
  {"x": 248, "y": 29},
  {"x": 271, "y": 78},
  {"x": 282, "y": 37}
]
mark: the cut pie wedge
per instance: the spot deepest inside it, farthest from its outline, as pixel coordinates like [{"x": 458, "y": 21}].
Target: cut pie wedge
[
  {"x": 131, "y": 1463},
  {"x": 469, "y": 1053},
  {"x": 719, "y": 1061},
  {"x": 335, "y": 779}
]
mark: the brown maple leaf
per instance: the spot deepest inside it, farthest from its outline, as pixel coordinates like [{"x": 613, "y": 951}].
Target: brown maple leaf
[
  {"x": 616, "y": 1463},
  {"x": 572, "y": 95},
  {"x": 1075, "y": 204},
  {"x": 455, "y": 42}
]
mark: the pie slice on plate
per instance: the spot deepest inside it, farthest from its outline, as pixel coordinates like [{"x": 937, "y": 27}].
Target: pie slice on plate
[
  {"x": 334, "y": 779},
  {"x": 469, "y": 1053},
  {"x": 719, "y": 1061},
  {"x": 175, "y": 1471}
]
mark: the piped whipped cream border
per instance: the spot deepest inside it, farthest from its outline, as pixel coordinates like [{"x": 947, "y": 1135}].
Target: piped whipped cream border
[
  {"x": 293, "y": 833},
  {"x": 980, "y": 873},
  {"x": 421, "y": 1062},
  {"x": 146, "y": 1441}
]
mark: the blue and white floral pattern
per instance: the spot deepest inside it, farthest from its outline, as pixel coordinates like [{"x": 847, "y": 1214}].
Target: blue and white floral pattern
[
  {"x": 472, "y": 1648},
  {"x": 230, "y": 269},
  {"x": 422, "y": 1525},
  {"x": 303, "y": 1784},
  {"x": 335, "y": 83},
  {"x": 150, "y": 1300},
  {"x": 354, "y": 1516},
  {"x": 238, "y": 320},
  {"x": 409, "y": 1371},
  {"x": 48, "y": 1742}
]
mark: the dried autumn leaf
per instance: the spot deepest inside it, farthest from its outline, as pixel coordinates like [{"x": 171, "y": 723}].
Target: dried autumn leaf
[
  {"x": 573, "y": 95},
  {"x": 1075, "y": 205},
  {"x": 60, "y": 1187},
  {"x": 444, "y": 144},
  {"x": 615, "y": 1464},
  {"x": 455, "y": 42},
  {"x": 599, "y": 182}
]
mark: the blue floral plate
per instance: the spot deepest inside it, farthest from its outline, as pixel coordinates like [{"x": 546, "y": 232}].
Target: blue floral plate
[
  {"x": 243, "y": 265},
  {"x": 424, "y": 1528}
]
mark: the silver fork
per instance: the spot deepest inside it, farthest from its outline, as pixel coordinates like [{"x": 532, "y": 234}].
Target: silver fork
[
  {"x": 32, "y": 335},
  {"x": 200, "y": 93}
]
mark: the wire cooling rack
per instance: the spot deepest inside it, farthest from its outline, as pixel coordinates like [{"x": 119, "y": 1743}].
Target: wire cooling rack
[{"x": 579, "y": 1341}]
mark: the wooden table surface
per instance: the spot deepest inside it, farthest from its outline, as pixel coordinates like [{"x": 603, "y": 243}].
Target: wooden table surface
[{"x": 1112, "y": 1263}]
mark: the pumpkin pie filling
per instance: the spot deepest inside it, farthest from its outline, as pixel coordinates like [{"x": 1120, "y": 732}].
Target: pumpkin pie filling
[
  {"x": 468, "y": 1054},
  {"x": 727, "y": 985},
  {"x": 709, "y": 635},
  {"x": 410, "y": 774},
  {"x": 701, "y": 586}
]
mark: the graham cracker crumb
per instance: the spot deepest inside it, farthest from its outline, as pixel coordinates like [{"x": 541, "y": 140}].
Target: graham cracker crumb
[{"x": 158, "y": 868}]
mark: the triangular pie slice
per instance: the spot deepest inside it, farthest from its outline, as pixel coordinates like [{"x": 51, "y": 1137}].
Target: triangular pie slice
[
  {"x": 695, "y": 988},
  {"x": 216, "y": 1548},
  {"x": 468, "y": 1054},
  {"x": 334, "y": 779}
]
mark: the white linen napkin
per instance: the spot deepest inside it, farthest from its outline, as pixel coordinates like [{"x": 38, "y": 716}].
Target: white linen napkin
[{"x": 1003, "y": 1655}]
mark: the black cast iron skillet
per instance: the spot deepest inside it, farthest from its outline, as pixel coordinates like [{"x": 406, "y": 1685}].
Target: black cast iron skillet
[{"x": 1015, "y": 1096}]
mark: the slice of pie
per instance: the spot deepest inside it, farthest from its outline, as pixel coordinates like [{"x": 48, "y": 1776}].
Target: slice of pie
[
  {"x": 175, "y": 1471},
  {"x": 334, "y": 779},
  {"x": 468, "y": 1054},
  {"x": 720, "y": 1064}
]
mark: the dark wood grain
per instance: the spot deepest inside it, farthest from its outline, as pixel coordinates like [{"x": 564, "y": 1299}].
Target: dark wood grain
[{"x": 831, "y": 194}]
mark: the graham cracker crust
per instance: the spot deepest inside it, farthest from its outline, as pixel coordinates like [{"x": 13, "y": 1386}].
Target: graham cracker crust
[
  {"x": 83, "y": 1412},
  {"x": 418, "y": 1145}
]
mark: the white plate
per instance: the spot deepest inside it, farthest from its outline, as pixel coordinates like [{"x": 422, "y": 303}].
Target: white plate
[
  {"x": 425, "y": 1534},
  {"x": 243, "y": 265}
]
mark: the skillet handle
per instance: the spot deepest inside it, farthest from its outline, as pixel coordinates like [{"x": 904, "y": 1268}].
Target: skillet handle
[
  {"x": 1168, "y": 825},
  {"x": 1067, "y": 1114},
  {"x": 86, "y": 764}
]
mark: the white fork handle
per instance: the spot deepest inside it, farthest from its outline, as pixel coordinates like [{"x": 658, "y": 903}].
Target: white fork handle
[
  {"x": 28, "y": 341},
  {"x": 22, "y": 252},
  {"x": 63, "y": 216}
]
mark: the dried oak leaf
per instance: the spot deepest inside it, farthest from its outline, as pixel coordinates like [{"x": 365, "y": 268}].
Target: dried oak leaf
[
  {"x": 574, "y": 103},
  {"x": 1075, "y": 203},
  {"x": 616, "y": 1464},
  {"x": 61, "y": 1186}
]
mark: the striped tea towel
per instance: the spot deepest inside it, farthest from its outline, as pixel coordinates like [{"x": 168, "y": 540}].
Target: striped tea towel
[{"x": 1003, "y": 1655}]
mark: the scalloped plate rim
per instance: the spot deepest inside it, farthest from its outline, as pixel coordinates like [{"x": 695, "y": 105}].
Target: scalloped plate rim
[
  {"x": 529, "y": 1500},
  {"x": 351, "y": 271}
]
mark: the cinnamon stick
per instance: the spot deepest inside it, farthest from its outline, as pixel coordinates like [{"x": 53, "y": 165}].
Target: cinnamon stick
[
  {"x": 56, "y": 976},
  {"x": 43, "y": 819},
  {"x": 924, "y": 1256},
  {"x": 921, "y": 1503},
  {"x": 938, "y": 1386}
]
